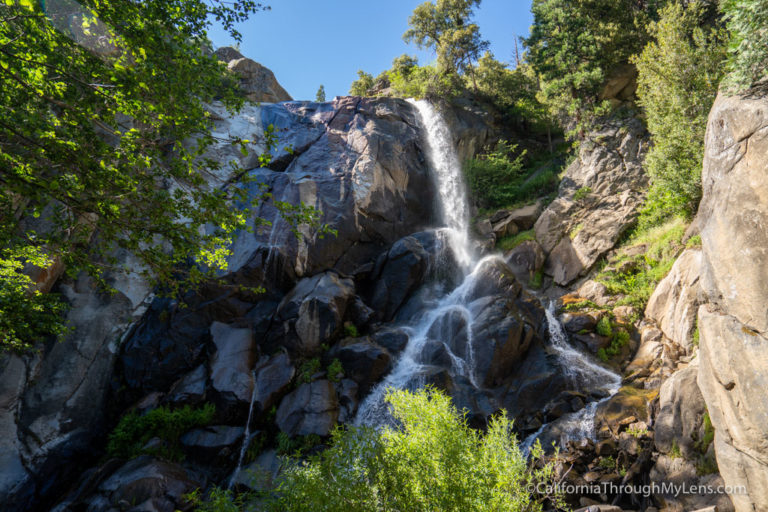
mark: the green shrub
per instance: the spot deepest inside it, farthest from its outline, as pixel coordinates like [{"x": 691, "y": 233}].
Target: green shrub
[
  {"x": 675, "y": 452},
  {"x": 607, "y": 462},
  {"x": 694, "y": 241},
  {"x": 133, "y": 431},
  {"x": 536, "y": 280},
  {"x": 26, "y": 316},
  {"x": 362, "y": 85},
  {"x": 702, "y": 445},
  {"x": 619, "y": 339},
  {"x": 335, "y": 371},
  {"x": 217, "y": 500},
  {"x": 635, "y": 432},
  {"x": 295, "y": 446},
  {"x": 308, "y": 369},
  {"x": 494, "y": 178},
  {"x": 604, "y": 327},
  {"x": 434, "y": 461},
  {"x": 350, "y": 330},
  {"x": 582, "y": 193},
  {"x": 663, "y": 245}
]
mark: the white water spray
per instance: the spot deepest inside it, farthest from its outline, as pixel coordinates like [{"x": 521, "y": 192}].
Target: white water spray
[{"x": 446, "y": 167}]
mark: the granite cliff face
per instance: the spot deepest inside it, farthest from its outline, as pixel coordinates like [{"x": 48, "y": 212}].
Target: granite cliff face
[
  {"x": 733, "y": 218},
  {"x": 597, "y": 202}
]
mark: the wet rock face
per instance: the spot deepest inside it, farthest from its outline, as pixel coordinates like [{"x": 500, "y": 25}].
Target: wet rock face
[
  {"x": 405, "y": 267},
  {"x": 358, "y": 161},
  {"x": 598, "y": 200},
  {"x": 734, "y": 324}
]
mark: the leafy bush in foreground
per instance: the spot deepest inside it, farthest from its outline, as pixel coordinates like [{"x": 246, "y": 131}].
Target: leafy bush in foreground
[{"x": 432, "y": 461}]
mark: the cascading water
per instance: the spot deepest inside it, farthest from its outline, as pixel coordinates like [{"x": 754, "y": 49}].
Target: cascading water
[
  {"x": 437, "y": 317},
  {"x": 583, "y": 372},
  {"x": 441, "y": 314},
  {"x": 446, "y": 167}
]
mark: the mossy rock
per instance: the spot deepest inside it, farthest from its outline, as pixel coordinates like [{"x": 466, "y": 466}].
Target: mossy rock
[{"x": 629, "y": 405}]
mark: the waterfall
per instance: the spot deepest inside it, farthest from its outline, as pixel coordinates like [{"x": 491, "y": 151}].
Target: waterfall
[
  {"x": 441, "y": 314},
  {"x": 581, "y": 369},
  {"x": 445, "y": 165},
  {"x": 438, "y": 316}
]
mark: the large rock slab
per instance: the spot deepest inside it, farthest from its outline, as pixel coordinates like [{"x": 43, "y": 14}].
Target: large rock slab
[
  {"x": 405, "y": 267},
  {"x": 598, "y": 200},
  {"x": 681, "y": 414},
  {"x": 273, "y": 379},
  {"x": 363, "y": 361},
  {"x": 679, "y": 436},
  {"x": 256, "y": 81},
  {"x": 230, "y": 366},
  {"x": 733, "y": 376},
  {"x": 675, "y": 302},
  {"x": 52, "y": 404},
  {"x": 734, "y": 208},
  {"x": 358, "y": 161},
  {"x": 145, "y": 484}
]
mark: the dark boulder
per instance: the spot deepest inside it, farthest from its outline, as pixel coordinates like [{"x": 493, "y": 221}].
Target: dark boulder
[
  {"x": 273, "y": 379},
  {"x": 213, "y": 444},
  {"x": 364, "y": 362},
  {"x": 312, "y": 314},
  {"x": 230, "y": 365},
  {"x": 408, "y": 264},
  {"x": 394, "y": 339},
  {"x": 189, "y": 389},
  {"x": 312, "y": 409},
  {"x": 501, "y": 338}
]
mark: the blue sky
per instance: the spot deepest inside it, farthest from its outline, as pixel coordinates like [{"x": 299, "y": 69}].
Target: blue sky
[{"x": 311, "y": 42}]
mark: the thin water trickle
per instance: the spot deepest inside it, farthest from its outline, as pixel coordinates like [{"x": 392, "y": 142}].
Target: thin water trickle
[{"x": 246, "y": 435}]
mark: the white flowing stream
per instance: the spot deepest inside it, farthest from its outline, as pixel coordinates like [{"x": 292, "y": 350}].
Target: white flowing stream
[{"x": 439, "y": 314}]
